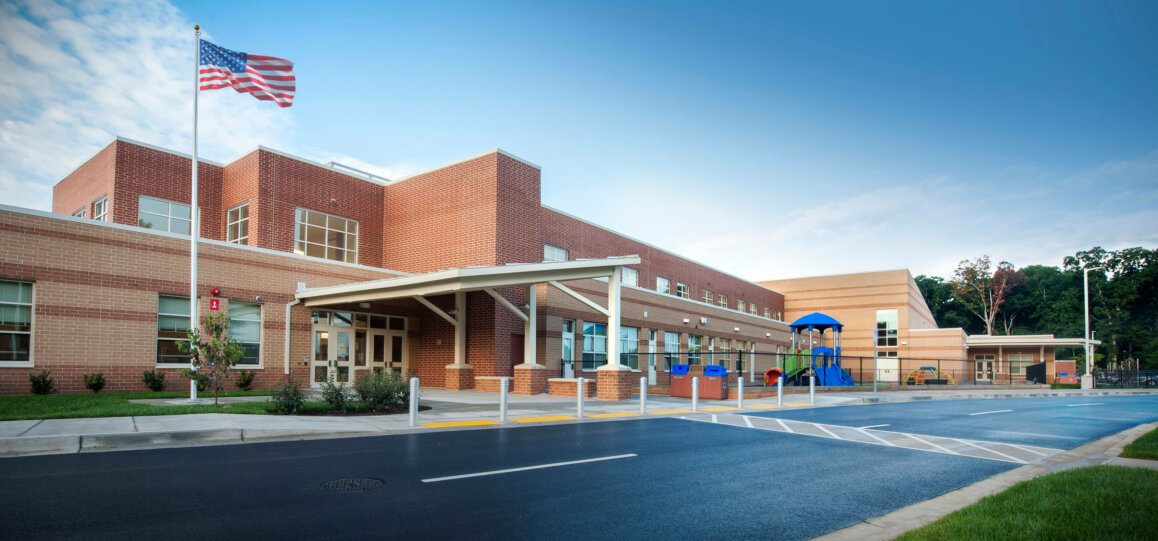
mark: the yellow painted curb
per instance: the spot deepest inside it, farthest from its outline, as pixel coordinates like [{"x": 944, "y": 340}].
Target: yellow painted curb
[
  {"x": 620, "y": 414},
  {"x": 721, "y": 408},
  {"x": 798, "y": 405},
  {"x": 762, "y": 407},
  {"x": 662, "y": 412},
  {"x": 460, "y": 423},
  {"x": 542, "y": 419}
]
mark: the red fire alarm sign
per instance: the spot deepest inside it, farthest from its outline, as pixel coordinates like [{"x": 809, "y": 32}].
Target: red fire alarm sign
[{"x": 214, "y": 304}]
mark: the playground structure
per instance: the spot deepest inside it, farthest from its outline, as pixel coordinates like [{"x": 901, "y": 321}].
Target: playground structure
[
  {"x": 928, "y": 375},
  {"x": 822, "y": 361}
]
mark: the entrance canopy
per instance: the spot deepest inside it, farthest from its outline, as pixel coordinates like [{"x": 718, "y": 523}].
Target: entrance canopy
[{"x": 459, "y": 282}]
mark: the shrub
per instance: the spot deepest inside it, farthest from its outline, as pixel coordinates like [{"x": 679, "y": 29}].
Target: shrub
[
  {"x": 154, "y": 380},
  {"x": 336, "y": 395},
  {"x": 94, "y": 382},
  {"x": 201, "y": 379},
  {"x": 244, "y": 379},
  {"x": 42, "y": 383},
  {"x": 381, "y": 391},
  {"x": 288, "y": 399}
]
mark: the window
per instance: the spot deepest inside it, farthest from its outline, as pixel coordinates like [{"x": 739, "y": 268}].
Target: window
[
  {"x": 723, "y": 349},
  {"x": 708, "y": 297},
  {"x": 723, "y": 300},
  {"x": 594, "y": 345},
  {"x": 326, "y": 236},
  {"x": 740, "y": 305},
  {"x": 1018, "y": 362},
  {"x": 79, "y": 213},
  {"x": 694, "y": 342},
  {"x": 741, "y": 347},
  {"x": 237, "y": 224},
  {"x": 767, "y": 313},
  {"x": 887, "y": 328},
  {"x": 752, "y": 308},
  {"x": 553, "y": 253},
  {"x": 162, "y": 215},
  {"x": 682, "y": 290},
  {"x": 629, "y": 347},
  {"x": 671, "y": 348},
  {"x": 15, "y": 321},
  {"x": 662, "y": 285},
  {"x": 100, "y": 209},
  {"x": 172, "y": 327},
  {"x": 630, "y": 277},
  {"x": 245, "y": 327}
]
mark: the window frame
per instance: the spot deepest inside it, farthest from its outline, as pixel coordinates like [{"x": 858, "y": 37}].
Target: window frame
[
  {"x": 767, "y": 313},
  {"x": 157, "y": 357},
  {"x": 17, "y": 305},
  {"x": 695, "y": 351},
  {"x": 102, "y": 204},
  {"x": 683, "y": 290},
  {"x": 663, "y": 285},
  {"x": 551, "y": 253},
  {"x": 80, "y": 212},
  {"x": 709, "y": 298},
  {"x": 240, "y": 221},
  {"x": 722, "y": 301},
  {"x": 169, "y": 218},
  {"x": 890, "y": 337},
  {"x": 302, "y": 227},
  {"x": 595, "y": 354},
  {"x": 634, "y": 277},
  {"x": 628, "y": 348},
  {"x": 260, "y": 332},
  {"x": 1023, "y": 360}
]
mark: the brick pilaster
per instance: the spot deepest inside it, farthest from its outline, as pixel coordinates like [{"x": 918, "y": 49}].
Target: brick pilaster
[
  {"x": 614, "y": 382},
  {"x": 530, "y": 379},
  {"x": 459, "y": 377}
]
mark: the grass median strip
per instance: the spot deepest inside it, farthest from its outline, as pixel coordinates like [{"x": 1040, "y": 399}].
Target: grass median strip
[
  {"x": 1145, "y": 447},
  {"x": 74, "y": 406},
  {"x": 1099, "y": 502}
]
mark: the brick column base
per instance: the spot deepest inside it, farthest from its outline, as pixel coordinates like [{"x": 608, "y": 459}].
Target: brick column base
[
  {"x": 459, "y": 377},
  {"x": 615, "y": 382},
  {"x": 530, "y": 379}
]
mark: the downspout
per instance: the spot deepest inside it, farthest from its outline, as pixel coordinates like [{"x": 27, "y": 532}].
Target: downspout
[{"x": 287, "y": 336}]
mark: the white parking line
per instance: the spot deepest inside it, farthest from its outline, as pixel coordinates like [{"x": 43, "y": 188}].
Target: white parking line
[
  {"x": 931, "y": 444},
  {"x": 872, "y": 426},
  {"x": 994, "y": 451},
  {"x": 525, "y": 468},
  {"x": 827, "y": 431},
  {"x": 1094, "y": 404},
  {"x": 875, "y": 437},
  {"x": 988, "y": 412},
  {"x": 747, "y": 421},
  {"x": 790, "y": 431}
]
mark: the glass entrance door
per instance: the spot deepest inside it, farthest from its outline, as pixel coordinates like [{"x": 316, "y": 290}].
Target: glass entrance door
[
  {"x": 387, "y": 351},
  {"x": 333, "y": 356}
]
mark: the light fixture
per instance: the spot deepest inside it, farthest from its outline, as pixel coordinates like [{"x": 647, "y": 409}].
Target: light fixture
[
  {"x": 768, "y": 334},
  {"x": 703, "y": 321},
  {"x": 363, "y": 305},
  {"x": 686, "y": 321},
  {"x": 737, "y": 329}
]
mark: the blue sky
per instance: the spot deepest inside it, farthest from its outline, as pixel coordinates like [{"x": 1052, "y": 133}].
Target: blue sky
[{"x": 765, "y": 139}]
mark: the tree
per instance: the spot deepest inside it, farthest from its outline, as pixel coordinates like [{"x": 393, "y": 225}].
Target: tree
[
  {"x": 947, "y": 312},
  {"x": 213, "y": 353},
  {"x": 1122, "y": 300},
  {"x": 983, "y": 292}
]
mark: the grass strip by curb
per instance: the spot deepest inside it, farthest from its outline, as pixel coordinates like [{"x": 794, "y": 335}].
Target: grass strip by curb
[
  {"x": 1099, "y": 502},
  {"x": 75, "y": 406},
  {"x": 1145, "y": 447}
]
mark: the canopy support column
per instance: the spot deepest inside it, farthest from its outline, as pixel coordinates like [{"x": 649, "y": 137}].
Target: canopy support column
[{"x": 614, "y": 379}]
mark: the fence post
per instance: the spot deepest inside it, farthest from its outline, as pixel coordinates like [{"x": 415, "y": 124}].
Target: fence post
[
  {"x": 780, "y": 391},
  {"x": 695, "y": 394},
  {"x": 642, "y": 395},
  {"x": 413, "y": 401},
  {"x": 503, "y": 386},
  {"x": 740, "y": 392},
  {"x": 812, "y": 389},
  {"x": 579, "y": 396}
]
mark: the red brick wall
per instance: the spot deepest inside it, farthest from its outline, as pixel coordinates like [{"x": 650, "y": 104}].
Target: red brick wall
[
  {"x": 240, "y": 185},
  {"x": 91, "y": 181},
  {"x": 146, "y": 171}
]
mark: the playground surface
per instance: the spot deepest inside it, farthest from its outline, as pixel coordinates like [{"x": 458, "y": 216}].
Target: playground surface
[{"x": 705, "y": 474}]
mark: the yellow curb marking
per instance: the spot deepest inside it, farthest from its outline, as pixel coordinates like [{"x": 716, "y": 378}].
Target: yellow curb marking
[
  {"x": 541, "y": 419},
  {"x": 763, "y": 407},
  {"x": 798, "y": 405},
  {"x": 460, "y": 423},
  {"x": 662, "y": 412},
  {"x": 620, "y": 414},
  {"x": 720, "y": 408}
]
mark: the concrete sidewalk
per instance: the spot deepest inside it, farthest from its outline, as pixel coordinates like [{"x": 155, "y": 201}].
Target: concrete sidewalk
[{"x": 448, "y": 410}]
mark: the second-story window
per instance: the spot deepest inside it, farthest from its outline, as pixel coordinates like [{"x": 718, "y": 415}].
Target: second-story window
[
  {"x": 707, "y": 297},
  {"x": 630, "y": 276},
  {"x": 100, "y": 209},
  {"x": 163, "y": 215},
  {"x": 553, "y": 253},
  {"x": 662, "y": 285},
  {"x": 682, "y": 290},
  {"x": 752, "y": 308},
  {"x": 767, "y": 312},
  {"x": 237, "y": 224},
  {"x": 723, "y": 300},
  {"x": 740, "y": 305},
  {"x": 317, "y": 234}
]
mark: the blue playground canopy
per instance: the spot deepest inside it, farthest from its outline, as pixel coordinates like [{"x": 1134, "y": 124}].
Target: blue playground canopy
[{"x": 818, "y": 321}]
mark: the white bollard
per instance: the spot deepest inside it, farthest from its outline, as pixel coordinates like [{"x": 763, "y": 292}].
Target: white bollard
[
  {"x": 642, "y": 395},
  {"x": 503, "y": 386},
  {"x": 579, "y": 396},
  {"x": 413, "y": 401},
  {"x": 780, "y": 392},
  {"x": 696, "y": 394},
  {"x": 740, "y": 392},
  {"x": 812, "y": 390}
]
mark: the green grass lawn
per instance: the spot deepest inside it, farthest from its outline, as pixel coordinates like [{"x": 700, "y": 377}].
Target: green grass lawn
[
  {"x": 1065, "y": 385},
  {"x": 1145, "y": 447},
  {"x": 1099, "y": 502},
  {"x": 64, "y": 406}
]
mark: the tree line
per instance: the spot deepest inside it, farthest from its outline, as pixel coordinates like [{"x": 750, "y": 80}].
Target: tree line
[{"x": 1039, "y": 299}]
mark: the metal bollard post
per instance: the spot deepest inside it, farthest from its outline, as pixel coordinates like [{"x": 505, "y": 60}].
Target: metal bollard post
[
  {"x": 579, "y": 396},
  {"x": 780, "y": 391},
  {"x": 642, "y": 396},
  {"x": 503, "y": 386},
  {"x": 695, "y": 394},
  {"x": 740, "y": 392},
  {"x": 812, "y": 390},
  {"x": 413, "y": 401}
]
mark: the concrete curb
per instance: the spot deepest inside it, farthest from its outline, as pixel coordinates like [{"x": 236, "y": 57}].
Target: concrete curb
[
  {"x": 898, "y": 397},
  {"x": 39, "y": 445},
  {"x": 902, "y": 520},
  {"x": 157, "y": 440}
]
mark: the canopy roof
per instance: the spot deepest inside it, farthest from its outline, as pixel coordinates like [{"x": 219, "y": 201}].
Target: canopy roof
[{"x": 816, "y": 320}]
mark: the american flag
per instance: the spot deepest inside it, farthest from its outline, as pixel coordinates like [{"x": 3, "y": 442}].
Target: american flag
[{"x": 266, "y": 77}]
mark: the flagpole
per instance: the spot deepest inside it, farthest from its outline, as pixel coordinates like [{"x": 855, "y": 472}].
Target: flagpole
[{"x": 195, "y": 216}]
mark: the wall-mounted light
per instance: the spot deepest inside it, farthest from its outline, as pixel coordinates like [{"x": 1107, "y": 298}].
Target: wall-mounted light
[
  {"x": 904, "y": 343},
  {"x": 258, "y": 298},
  {"x": 363, "y": 305},
  {"x": 686, "y": 321},
  {"x": 768, "y": 334},
  {"x": 737, "y": 329},
  {"x": 333, "y": 202},
  {"x": 703, "y": 321}
]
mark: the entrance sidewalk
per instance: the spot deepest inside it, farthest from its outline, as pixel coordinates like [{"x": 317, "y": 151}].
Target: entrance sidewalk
[{"x": 449, "y": 410}]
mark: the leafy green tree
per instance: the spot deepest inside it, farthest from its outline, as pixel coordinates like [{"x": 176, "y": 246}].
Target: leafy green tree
[
  {"x": 212, "y": 353},
  {"x": 947, "y": 312},
  {"x": 982, "y": 291},
  {"x": 1122, "y": 301}
]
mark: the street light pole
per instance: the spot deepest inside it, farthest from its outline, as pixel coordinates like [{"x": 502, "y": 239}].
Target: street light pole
[{"x": 1088, "y": 379}]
